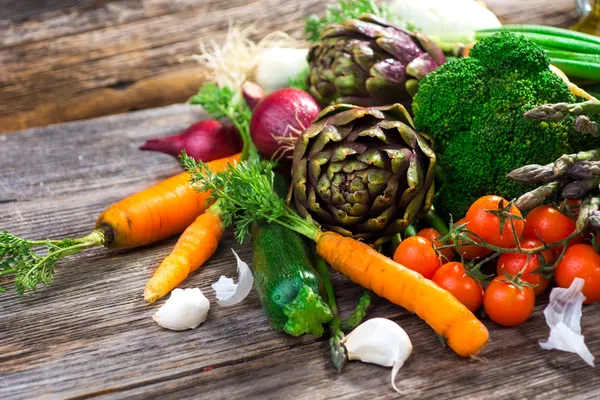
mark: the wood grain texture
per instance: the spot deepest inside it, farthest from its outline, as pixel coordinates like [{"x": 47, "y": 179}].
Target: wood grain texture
[
  {"x": 90, "y": 334},
  {"x": 76, "y": 59}
]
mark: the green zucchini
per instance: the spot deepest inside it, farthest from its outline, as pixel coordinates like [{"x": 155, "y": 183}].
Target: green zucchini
[{"x": 289, "y": 288}]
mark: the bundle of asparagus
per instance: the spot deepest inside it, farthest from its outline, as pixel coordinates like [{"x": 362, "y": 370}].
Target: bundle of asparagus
[{"x": 574, "y": 176}]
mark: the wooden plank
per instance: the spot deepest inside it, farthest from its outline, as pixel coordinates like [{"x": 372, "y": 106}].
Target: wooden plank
[
  {"x": 117, "y": 63},
  {"x": 80, "y": 59},
  {"x": 90, "y": 334}
]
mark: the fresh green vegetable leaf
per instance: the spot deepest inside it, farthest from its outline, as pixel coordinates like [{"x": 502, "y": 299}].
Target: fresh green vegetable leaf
[
  {"x": 224, "y": 102},
  {"x": 300, "y": 81},
  {"x": 307, "y": 313},
  {"x": 245, "y": 192},
  {"x": 338, "y": 13}
]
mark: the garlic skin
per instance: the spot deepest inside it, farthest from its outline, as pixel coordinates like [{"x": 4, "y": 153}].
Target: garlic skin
[
  {"x": 185, "y": 309},
  {"x": 379, "y": 341},
  {"x": 563, "y": 316},
  {"x": 229, "y": 293},
  {"x": 275, "y": 66}
]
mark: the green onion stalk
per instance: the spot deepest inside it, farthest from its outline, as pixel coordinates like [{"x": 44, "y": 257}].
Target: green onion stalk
[{"x": 576, "y": 54}]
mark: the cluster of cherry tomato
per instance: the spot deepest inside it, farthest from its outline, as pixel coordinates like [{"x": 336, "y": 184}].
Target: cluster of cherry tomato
[{"x": 509, "y": 298}]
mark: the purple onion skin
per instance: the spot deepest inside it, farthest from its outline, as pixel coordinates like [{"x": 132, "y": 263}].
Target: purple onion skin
[
  {"x": 253, "y": 94},
  {"x": 284, "y": 113},
  {"x": 204, "y": 140}
]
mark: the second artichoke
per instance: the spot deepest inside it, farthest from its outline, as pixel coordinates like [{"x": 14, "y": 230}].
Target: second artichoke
[
  {"x": 369, "y": 61},
  {"x": 363, "y": 171}
]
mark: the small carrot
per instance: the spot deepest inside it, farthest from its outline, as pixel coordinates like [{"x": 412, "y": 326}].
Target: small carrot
[
  {"x": 194, "y": 247},
  {"x": 146, "y": 217},
  {"x": 439, "y": 308},
  {"x": 246, "y": 192}
]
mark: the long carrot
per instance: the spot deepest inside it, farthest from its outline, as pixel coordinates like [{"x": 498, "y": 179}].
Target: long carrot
[
  {"x": 246, "y": 194},
  {"x": 143, "y": 218},
  {"x": 402, "y": 286},
  {"x": 158, "y": 212},
  {"x": 194, "y": 247}
]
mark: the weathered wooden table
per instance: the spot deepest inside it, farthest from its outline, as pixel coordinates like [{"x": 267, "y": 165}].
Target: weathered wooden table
[{"x": 90, "y": 334}]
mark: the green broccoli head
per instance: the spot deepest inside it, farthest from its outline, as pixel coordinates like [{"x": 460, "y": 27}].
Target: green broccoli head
[
  {"x": 508, "y": 54},
  {"x": 473, "y": 108}
]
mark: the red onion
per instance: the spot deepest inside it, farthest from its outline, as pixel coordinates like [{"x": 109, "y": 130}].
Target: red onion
[
  {"x": 204, "y": 140},
  {"x": 278, "y": 120}
]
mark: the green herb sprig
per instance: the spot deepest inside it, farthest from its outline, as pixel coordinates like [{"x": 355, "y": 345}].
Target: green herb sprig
[
  {"x": 245, "y": 194},
  {"x": 30, "y": 268},
  {"x": 340, "y": 12}
]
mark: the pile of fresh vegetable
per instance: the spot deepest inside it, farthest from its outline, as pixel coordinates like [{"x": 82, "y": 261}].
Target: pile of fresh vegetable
[{"x": 363, "y": 166}]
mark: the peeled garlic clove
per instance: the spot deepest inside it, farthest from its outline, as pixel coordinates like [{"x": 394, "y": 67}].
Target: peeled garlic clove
[
  {"x": 229, "y": 293},
  {"x": 185, "y": 309},
  {"x": 379, "y": 341}
]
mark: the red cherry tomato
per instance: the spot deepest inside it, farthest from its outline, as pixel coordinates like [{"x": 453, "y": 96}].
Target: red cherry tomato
[
  {"x": 432, "y": 235},
  {"x": 551, "y": 225},
  {"x": 506, "y": 304},
  {"x": 470, "y": 251},
  {"x": 487, "y": 225},
  {"x": 580, "y": 261},
  {"x": 454, "y": 278},
  {"x": 417, "y": 253},
  {"x": 514, "y": 263}
]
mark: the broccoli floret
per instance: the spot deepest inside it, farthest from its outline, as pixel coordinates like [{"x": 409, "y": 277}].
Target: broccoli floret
[
  {"x": 473, "y": 108},
  {"x": 510, "y": 54},
  {"x": 460, "y": 99}
]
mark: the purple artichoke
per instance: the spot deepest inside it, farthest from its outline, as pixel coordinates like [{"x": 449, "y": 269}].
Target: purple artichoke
[
  {"x": 363, "y": 171},
  {"x": 369, "y": 61}
]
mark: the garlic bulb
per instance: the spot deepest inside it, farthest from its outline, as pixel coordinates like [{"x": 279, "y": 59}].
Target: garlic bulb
[
  {"x": 379, "y": 341},
  {"x": 275, "y": 67},
  {"x": 185, "y": 309}
]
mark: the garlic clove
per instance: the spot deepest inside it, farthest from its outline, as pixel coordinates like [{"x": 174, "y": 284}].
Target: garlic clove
[
  {"x": 185, "y": 309},
  {"x": 379, "y": 341},
  {"x": 229, "y": 293}
]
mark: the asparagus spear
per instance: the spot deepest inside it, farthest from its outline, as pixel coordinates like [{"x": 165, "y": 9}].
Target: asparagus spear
[
  {"x": 338, "y": 351},
  {"x": 533, "y": 173},
  {"x": 568, "y": 160},
  {"x": 537, "y": 196},
  {"x": 560, "y": 111},
  {"x": 585, "y": 125},
  {"x": 577, "y": 190},
  {"x": 584, "y": 170}
]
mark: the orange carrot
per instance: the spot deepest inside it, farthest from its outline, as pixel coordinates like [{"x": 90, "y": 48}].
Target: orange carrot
[
  {"x": 146, "y": 217},
  {"x": 156, "y": 213},
  {"x": 358, "y": 261},
  {"x": 196, "y": 245}
]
